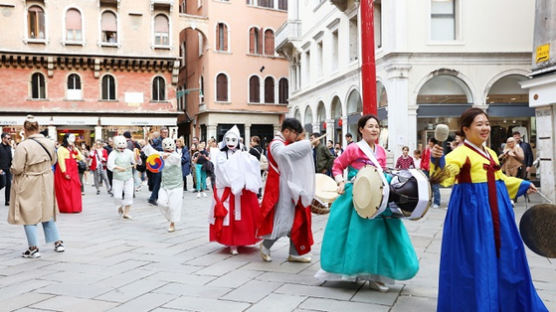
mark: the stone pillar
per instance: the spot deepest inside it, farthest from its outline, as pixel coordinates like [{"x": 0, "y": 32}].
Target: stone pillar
[
  {"x": 401, "y": 126},
  {"x": 247, "y": 137},
  {"x": 330, "y": 129},
  {"x": 546, "y": 132},
  {"x": 211, "y": 132},
  {"x": 98, "y": 133},
  {"x": 52, "y": 133},
  {"x": 173, "y": 132},
  {"x": 345, "y": 130}
]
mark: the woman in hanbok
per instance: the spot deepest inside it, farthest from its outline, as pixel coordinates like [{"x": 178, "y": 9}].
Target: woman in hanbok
[
  {"x": 483, "y": 266},
  {"x": 355, "y": 248},
  {"x": 235, "y": 207},
  {"x": 66, "y": 177}
]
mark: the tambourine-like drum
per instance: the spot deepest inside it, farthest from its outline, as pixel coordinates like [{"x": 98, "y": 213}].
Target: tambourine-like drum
[
  {"x": 537, "y": 229},
  {"x": 410, "y": 193},
  {"x": 326, "y": 191},
  {"x": 367, "y": 192}
]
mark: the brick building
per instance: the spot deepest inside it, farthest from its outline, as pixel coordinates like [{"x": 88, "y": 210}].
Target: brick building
[{"x": 93, "y": 68}]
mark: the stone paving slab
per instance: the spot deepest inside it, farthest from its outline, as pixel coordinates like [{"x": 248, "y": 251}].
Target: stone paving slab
[{"x": 112, "y": 264}]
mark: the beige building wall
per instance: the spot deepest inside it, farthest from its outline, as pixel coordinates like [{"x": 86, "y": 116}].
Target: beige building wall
[{"x": 237, "y": 63}]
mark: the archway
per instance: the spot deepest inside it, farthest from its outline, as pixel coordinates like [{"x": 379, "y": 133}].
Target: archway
[
  {"x": 354, "y": 112},
  {"x": 509, "y": 111},
  {"x": 442, "y": 99},
  {"x": 321, "y": 117},
  {"x": 308, "y": 120},
  {"x": 336, "y": 114}
]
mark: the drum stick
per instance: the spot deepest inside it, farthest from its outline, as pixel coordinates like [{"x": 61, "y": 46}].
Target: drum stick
[
  {"x": 322, "y": 136},
  {"x": 544, "y": 197}
]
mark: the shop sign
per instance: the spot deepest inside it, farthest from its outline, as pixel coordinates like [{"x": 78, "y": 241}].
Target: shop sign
[
  {"x": 77, "y": 120},
  {"x": 18, "y": 120},
  {"x": 543, "y": 53},
  {"x": 138, "y": 121}
]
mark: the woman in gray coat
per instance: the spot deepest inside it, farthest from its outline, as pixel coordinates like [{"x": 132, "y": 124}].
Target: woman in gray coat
[{"x": 32, "y": 193}]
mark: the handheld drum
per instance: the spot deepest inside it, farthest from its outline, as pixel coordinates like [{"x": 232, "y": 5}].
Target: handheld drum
[
  {"x": 326, "y": 192},
  {"x": 368, "y": 192},
  {"x": 155, "y": 163},
  {"x": 410, "y": 193}
]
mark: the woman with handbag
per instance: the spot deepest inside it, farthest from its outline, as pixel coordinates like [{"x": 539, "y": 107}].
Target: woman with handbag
[{"x": 66, "y": 177}]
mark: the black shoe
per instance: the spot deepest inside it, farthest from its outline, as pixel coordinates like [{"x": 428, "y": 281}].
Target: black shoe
[
  {"x": 59, "y": 246},
  {"x": 31, "y": 253},
  {"x": 153, "y": 202},
  {"x": 7, "y": 203},
  {"x": 98, "y": 192}
]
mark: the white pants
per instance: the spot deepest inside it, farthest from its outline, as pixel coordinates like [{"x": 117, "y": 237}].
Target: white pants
[
  {"x": 124, "y": 188},
  {"x": 170, "y": 203}
]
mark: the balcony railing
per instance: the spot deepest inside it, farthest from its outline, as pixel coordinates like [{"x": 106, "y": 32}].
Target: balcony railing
[{"x": 289, "y": 32}]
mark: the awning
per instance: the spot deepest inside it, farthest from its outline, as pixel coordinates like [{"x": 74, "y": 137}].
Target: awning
[{"x": 138, "y": 121}]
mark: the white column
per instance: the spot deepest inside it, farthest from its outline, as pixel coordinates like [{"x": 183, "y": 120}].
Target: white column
[
  {"x": 247, "y": 137},
  {"x": 52, "y": 133},
  {"x": 345, "y": 130},
  {"x": 330, "y": 129},
  {"x": 211, "y": 132},
  {"x": 546, "y": 132},
  {"x": 401, "y": 126},
  {"x": 98, "y": 133},
  {"x": 173, "y": 132}
]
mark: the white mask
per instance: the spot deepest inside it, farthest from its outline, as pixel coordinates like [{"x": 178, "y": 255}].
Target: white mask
[
  {"x": 71, "y": 138},
  {"x": 231, "y": 138}
]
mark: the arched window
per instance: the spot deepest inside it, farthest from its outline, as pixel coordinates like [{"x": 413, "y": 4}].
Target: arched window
[
  {"x": 269, "y": 42},
  {"x": 159, "y": 89},
  {"x": 222, "y": 88},
  {"x": 269, "y": 90},
  {"x": 73, "y": 91},
  {"x": 73, "y": 25},
  {"x": 221, "y": 37},
  {"x": 38, "y": 87},
  {"x": 108, "y": 88},
  {"x": 35, "y": 22},
  {"x": 283, "y": 91},
  {"x": 109, "y": 26},
  {"x": 254, "y": 90},
  {"x": 161, "y": 30},
  {"x": 255, "y": 42}
]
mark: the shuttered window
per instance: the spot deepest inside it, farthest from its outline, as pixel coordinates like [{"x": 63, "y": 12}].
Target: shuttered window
[
  {"x": 254, "y": 90},
  {"x": 159, "y": 89},
  {"x": 222, "y": 37},
  {"x": 269, "y": 42},
  {"x": 73, "y": 25},
  {"x": 222, "y": 88},
  {"x": 35, "y": 23},
  {"x": 161, "y": 33},
  {"x": 108, "y": 88},
  {"x": 283, "y": 91},
  {"x": 269, "y": 90},
  {"x": 109, "y": 26},
  {"x": 38, "y": 88}
]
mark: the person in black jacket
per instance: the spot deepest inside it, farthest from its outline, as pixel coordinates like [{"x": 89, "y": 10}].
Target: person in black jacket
[
  {"x": 528, "y": 156},
  {"x": 5, "y": 164}
]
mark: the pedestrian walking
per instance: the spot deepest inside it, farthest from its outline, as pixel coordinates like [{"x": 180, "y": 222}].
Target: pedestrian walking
[
  {"x": 6, "y": 157},
  {"x": 170, "y": 198},
  {"x": 33, "y": 199},
  {"x": 288, "y": 194},
  {"x": 185, "y": 161},
  {"x": 347, "y": 252},
  {"x": 66, "y": 176},
  {"x": 120, "y": 161},
  {"x": 482, "y": 256},
  {"x": 98, "y": 157},
  {"x": 405, "y": 161},
  {"x": 200, "y": 159}
]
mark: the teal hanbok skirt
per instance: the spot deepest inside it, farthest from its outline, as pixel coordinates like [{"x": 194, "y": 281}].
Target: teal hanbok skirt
[{"x": 357, "y": 247}]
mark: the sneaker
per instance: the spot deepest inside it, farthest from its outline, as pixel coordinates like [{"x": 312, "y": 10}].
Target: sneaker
[
  {"x": 233, "y": 250},
  {"x": 302, "y": 259},
  {"x": 59, "y": 246},
  {"x": 435, "y": 206},
  {"x": 153, "y": 202},
  {"x": 199, "y": 195},
  {"x": 128, "y": 217},
  {"x": 265, "y": 253},
  {"x": 31, "y": 253},
  {"x": 204, "y": 194},
  {"x": 378, "y": 286}
]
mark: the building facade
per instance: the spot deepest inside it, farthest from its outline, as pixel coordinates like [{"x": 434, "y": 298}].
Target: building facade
[
  {"x": 93, "y": 68},
  {"x": 231, "y": 74},
  {"x": 542, "y": 92},
  {"x": 434, "y": 59}
]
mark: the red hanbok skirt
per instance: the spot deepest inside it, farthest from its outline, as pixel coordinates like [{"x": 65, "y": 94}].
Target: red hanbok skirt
[
  {"x": 239, "y": 232},
  {"x": 68, "y": 192}
]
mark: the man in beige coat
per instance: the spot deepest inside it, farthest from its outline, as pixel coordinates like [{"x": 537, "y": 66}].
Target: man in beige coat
[{"x": 32, "y": 193}]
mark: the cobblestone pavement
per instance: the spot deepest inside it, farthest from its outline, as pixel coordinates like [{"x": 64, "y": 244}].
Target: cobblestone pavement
[{"x": 111, "y": 264}]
